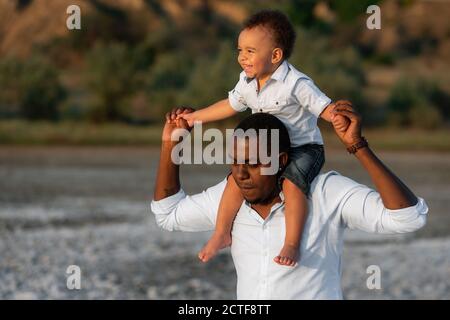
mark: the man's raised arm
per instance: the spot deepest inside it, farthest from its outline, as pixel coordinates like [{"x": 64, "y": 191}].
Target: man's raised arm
[
  {"x": 394, "y": 193},
  {"x": 400, "y": 210},
  {"x": 168, "y": 176},
  {"x": 173, "y": 209}
]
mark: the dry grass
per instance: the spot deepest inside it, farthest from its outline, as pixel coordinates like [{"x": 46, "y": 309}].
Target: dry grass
[{"x": 19, "y": 132}]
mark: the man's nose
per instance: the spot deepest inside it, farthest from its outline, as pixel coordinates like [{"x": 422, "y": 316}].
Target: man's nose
[{"x": 242, "y": 172}]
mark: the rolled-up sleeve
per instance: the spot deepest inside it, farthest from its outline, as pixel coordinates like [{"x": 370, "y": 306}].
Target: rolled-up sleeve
[
  {"x": 310, "y": 97},
  {"x": 363, "y": 209},
  {"x": 181, "y": 212},
  {"x": 236, "y": 97}
]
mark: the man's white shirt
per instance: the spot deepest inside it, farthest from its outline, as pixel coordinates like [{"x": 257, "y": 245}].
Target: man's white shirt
[
  {"x": 290, "y": 95},
  {"x": 336, "y": 203}
]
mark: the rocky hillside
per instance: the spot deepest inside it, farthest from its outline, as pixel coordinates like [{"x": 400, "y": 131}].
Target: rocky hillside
[{"x": 25, "y": 23}]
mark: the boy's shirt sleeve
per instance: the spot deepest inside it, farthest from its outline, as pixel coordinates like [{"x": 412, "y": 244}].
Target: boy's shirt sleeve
[
  {"x": 310, "y": 97},
  {"x": 236, "y": 96}
]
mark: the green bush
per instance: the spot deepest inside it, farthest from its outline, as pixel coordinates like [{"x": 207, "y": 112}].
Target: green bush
[
  {"x": 425, "y": 116},
  {"x": 111, "y": 78},
  {"x": 30, "y": 88},
  {"x": 416, "y": 103},
  {"x": 338, "y": 73},
  {"x": 212, "y": 78}
]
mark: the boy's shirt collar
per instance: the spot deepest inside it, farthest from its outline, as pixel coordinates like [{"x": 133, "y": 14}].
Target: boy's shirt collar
[{"x": 279, "y": 74}]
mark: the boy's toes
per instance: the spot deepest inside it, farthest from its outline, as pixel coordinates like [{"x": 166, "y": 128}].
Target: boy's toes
[{"x": 277, "y": 259}]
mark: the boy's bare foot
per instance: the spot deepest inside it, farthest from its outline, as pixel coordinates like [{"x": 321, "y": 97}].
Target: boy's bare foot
[
  {"x": 288, "y": 256},
  {"x": 217, "y": 242}
]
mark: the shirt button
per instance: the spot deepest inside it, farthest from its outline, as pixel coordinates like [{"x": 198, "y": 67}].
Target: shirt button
[{"x": 260, "y": 110}]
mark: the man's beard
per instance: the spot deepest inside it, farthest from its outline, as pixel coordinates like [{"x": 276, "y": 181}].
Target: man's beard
[{"x": 266, "y": 200}]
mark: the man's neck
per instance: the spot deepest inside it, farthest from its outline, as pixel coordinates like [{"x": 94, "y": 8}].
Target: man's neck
[{"x": 263, "y": 207}]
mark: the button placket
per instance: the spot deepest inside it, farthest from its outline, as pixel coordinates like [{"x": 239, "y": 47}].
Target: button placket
[{"x": 265, "y": 260}]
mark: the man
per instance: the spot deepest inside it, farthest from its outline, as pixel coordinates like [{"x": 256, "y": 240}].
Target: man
[{"x": 335, "y": 203}]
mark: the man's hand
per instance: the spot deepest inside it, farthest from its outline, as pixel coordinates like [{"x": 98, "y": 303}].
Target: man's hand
[
  {"x": 173, "y": 122},
  {"x": 352, "y": 134}
]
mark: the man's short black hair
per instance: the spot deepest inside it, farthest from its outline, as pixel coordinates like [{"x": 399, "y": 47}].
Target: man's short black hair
[
  {"x": 267, "y": 121},
  {"x": 279, "y": 25}
]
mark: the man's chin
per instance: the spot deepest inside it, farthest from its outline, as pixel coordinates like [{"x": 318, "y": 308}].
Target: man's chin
[{"x": 251, "y": 199}]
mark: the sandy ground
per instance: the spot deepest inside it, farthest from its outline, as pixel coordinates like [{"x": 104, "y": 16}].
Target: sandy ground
[{"x": 90, "y": 207}]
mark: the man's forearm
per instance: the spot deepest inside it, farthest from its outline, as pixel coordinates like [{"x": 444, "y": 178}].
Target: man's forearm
[
  {"x": 394, "y": 193},
  {"x": 168, "y": 178}
]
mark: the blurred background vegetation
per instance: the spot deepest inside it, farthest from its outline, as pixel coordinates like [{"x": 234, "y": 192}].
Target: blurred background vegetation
[{"x": 133, "y": 60}]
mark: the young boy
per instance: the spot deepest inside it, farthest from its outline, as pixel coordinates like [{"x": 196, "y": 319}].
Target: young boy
[{"x": 270, "y": 84}]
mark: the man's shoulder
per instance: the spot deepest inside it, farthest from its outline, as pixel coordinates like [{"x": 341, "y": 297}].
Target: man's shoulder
[
  {"x": 214, "y": 192},
  {"x": 331, "y": 185}
]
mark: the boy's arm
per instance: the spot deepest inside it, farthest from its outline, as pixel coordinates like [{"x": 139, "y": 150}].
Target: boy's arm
[
  {"x": 217, "y": 111},
  {"x": 339, "y": 122},
  {"x": 327, "y": 112}
]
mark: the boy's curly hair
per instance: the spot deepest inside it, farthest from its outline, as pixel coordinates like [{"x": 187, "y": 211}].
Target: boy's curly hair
[{"x": 278, "y": 24}]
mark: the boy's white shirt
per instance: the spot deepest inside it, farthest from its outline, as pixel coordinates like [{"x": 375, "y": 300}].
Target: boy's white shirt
[
  {"x": 336, "y": 203},
  {"x": 289, "y": 95}
]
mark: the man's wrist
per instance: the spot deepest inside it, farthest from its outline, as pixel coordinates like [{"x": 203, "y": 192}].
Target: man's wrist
[{"x": 358, "y": 144}]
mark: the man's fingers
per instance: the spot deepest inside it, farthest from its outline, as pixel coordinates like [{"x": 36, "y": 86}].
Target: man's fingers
[
  {"x": 343, "y": 107},
  {"x": 169, "y": 117},
  {"x": 342, "y": 102},
  {"x": 352, "y": 116}
]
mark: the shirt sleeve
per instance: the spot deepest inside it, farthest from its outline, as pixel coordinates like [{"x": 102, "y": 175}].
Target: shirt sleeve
[
  {"x": 362, "y": 208},
  {"x": 236, "y": 96},
  {"x": 310, "y": 97},
  {"x": 181, "y": 212}
]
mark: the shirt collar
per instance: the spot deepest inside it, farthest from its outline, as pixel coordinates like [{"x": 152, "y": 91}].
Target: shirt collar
[
  {"x": 273, "y": 209},
  {"x": 279, "y": 74}
]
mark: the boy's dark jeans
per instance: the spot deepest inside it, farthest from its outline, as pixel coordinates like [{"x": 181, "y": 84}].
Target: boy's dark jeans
[{"x": 305, "y": 163}]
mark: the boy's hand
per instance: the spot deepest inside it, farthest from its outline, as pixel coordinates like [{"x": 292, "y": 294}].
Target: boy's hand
[
  {"x": 172, "y": 123},
  {"x": 352, "y": 134},
  {"x": 340, "y": 123},
  {"x": 188, "y": 116}
]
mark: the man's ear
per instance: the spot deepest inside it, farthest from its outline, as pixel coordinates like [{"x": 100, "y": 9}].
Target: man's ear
[
  {"x": 277, "y": 55},
  {"x": 283, "y": 159}
]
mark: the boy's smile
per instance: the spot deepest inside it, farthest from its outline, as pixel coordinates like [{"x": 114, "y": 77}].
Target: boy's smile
[{"x": 257, "y": 55}]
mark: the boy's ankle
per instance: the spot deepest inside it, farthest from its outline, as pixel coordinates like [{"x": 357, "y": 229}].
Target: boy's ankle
[
  {"x": 222, "y": 233},
  {"x": 292, "y": 244}
]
